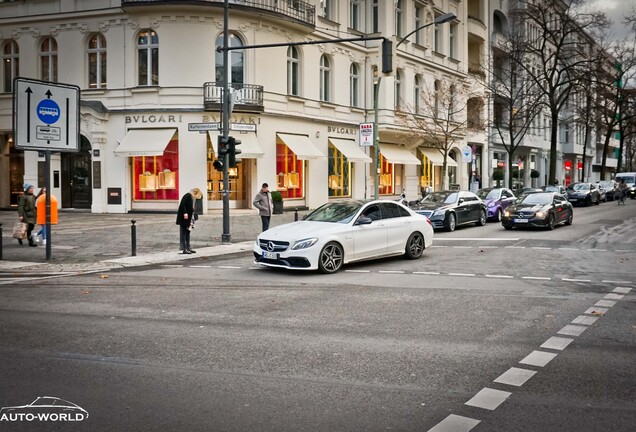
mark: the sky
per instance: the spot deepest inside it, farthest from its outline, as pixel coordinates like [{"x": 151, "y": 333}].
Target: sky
[{"x": 616, "y": 11}]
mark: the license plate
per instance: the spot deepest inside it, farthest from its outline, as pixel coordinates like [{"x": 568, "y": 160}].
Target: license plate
[
  {"x": 572, "y": 199},
  {"x": 520, "y": 220},
  {"x": 270, "y": 255}
]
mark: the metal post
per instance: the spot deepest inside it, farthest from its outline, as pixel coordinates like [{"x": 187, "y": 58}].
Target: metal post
[
  {"x": 226, "y": 237},
  {"x": 133, "y": 237},
  {"x": 0, "y": 241},
  {"x": 376, "y": 138},
  {"x": 295, "y": 215},
  {"x": 47, "y": 185}
]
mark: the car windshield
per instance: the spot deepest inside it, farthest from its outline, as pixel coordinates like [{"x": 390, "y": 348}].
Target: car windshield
[
  {"x": 606, "y": 184},
  {"x": 536, "y": 198},
  {"x": 488, "y": 194},
  {"x": 441, "y": 197},
  {"x": 581, "y": 186},
  {"x": 551, "y": 188},
  {"x": 628, "y": 179},
  {"x": 342, "y": 212}
]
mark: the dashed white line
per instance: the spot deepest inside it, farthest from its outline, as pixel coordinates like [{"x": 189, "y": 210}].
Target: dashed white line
[
  {"x": 596, "y": 311},
  {"x": 605, "y": 303},
  {"x": 613, "y": 296},
  {"x": 488, "y": 398},
  {"x": 616, "y": 282},
  {"x": 499, "y": 276},
  {"x": 438, "y": 246},
  {"x": 557, "y": 343},
  {"x": 622, "y": 290},
  {"x": 488, "y": 247},
  {"x": 572, "y": 330},
  {"x": 229, "y": 267},
  {"x": 426, "y": 273},
  {"x": 541, "y": 248},
  {"x": 575, "y": 280},
  {"x": 623, "y": 250},
  {"x": 515, "y": 247},
  {"x": 201, "y": 266},
  {"x": 461, "y": 274},
  {"x": 538, "y": 358},
  {"x": 585, "y": 320},
  {"x": 515, "y": 376},
  {"x": 462, "y": 247},
  {"x": 597, "y": 250},
  {"x": 391, "y": 271},
  {"x": 568, "y": 249},
  {"x": 536, "y": 278},
  {"x": 358, "y": 271},
  {"x": 455, "y": 423}
]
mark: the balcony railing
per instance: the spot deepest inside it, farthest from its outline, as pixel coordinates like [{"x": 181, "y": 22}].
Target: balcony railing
[
  {"x": 299, "y": 10},
  {"x": 247, "y": 97}
]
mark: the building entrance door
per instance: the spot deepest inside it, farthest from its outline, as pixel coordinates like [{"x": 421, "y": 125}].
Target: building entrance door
[{"x": 76, "y": 177}]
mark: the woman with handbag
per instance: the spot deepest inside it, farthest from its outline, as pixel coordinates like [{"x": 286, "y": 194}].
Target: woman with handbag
[{"x": 26, "y": 212}]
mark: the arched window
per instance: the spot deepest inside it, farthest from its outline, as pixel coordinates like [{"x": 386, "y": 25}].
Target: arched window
[
  {"x": 417, "y": 88},
  {"x": 236, "y": 60},
  {"x": 148, "y": 58},
  {"x": 97, "y": 61},
  {"x": 10, "y": 64},
  {"x": 48, "y": 59},
  {"x": 293, "y": 71},
  {"x": 325, "y": 78},
  {"x": 398, "y": 88},
  {"x": 354, "y": 85}
]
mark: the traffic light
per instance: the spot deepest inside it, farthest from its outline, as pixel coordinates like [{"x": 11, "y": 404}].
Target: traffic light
[
  {"x": 218, "y": 165},
  {"x": 232, "y": 151},
  {"x": 222, "y": 147},
  {"x": 387, "y": 56}
]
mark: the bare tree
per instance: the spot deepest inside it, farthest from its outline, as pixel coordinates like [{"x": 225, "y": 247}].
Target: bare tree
[{"x": 439, "y": 120}]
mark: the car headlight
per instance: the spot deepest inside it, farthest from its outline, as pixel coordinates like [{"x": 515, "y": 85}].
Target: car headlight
[
  {"x": 540, "y": 214},
  {"x": 439, "y": 213},
  {"x": 507, "y": 213},
  {"x": 304, "y": 243}
]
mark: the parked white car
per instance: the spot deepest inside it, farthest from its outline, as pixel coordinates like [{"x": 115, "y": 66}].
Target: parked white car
[{"x": 341, "y": 232}]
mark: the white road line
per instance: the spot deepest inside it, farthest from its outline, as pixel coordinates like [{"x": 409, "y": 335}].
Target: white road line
[
  {"x": 585, "y": 320},
  {"x": 391, "y": 271},
  {"x": 462, "y": 247},
  {"x": 572, "y": 330},
  {"x": 616, "y": 282},
  {"x": 623, "y": 250},
  {"x": 455, "y": 423},
  {"x": 488, "y": 247},
  {"x": 500, "y": 276},
  {"x": 596, "y": 311},
  {"x": 605, "y": 303},
  {"x": 557, "y": 343},
  {"x": 488, "y": 398},
  {"x": 538, "y": 358},
  {"x": 612, "y": 296},
  {"x": 172, "y": 265},
  {"x": 541, "y": 248},
  {"x": 358, "y": 271},
  {"x": 230, "y": 267},
  {"x": 477, "y": 239},
  {"x": 536, "y": 278},
  {"x": 515, "y": 377},
  {"x": 461, "y": 274},
  {"x": 426, "y": 273},
  {"x": 515, "y": 247},
  {"x": 575, "y": 280},
  {"x": 568, "y": 249},
  {"x": 622, "y": 290},
  {"x": 597, "y": 250},
  {"x": 438, "y": 246}
]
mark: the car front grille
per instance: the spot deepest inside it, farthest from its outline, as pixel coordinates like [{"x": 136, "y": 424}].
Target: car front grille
[
  {"x": 523, "y": 214},
  {"x": 273, "y": 245},
  {"x": 427, "y": 213}
]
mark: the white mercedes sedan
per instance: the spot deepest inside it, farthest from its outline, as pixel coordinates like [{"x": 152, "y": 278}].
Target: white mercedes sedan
[{"x": 342, "y": 232}]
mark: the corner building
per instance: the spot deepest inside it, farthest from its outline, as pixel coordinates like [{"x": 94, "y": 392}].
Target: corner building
[{"x": 147, "y": 69}]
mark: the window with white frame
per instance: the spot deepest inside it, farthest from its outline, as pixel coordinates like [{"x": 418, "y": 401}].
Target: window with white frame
[
  {"x": 10, "y": 64},
  {"x": 97, "y": 61},
  {"x": 293, "y": 71},
  {"x": 419, "y": 14},
  {"x": 236, "y": 59},
  {"x": 417, "y": 88},
  {"x": 398, "y": 88},
  {"x": 452, "y": 41},
  {"x": 399, "y": 5},
  {"x": 354, "y": 85},
  {"x": 325, "y": 78},
  {"x": 437, "y": 46},
  {"x": 48, "y": 59},
  {"x": 354, "y": 14},
  {"x": 375, "y": 22},
  {"x": 328, "y": 9},
  {"x": 147, "y": 58}
]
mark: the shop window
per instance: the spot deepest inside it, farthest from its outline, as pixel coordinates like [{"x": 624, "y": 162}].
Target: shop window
[
  {"x": 155, "y": 177},
  {"x": 215, "y": 178},
  {"x": 290, "y": 173},
  {"x": 387, "y": 179},
  {"x": 426, "y": 171},
  {"x": 339, "y": 174}
]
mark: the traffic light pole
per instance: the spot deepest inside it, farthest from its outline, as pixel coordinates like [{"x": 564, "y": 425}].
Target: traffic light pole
[{"x": 226, "y": 237}]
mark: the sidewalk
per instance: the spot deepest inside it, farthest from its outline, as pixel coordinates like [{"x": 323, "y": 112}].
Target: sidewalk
[{"x": 86, "y": 241}]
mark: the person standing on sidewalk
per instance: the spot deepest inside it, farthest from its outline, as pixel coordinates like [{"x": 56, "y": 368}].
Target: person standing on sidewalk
[
  {"x": 263, "y": 202},
  {"x": 26, "y": 212},
  {"x": 185, "y": 219}
]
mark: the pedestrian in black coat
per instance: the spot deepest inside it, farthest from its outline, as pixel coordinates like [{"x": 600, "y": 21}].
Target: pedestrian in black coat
[{"x": 185, "y": 219}]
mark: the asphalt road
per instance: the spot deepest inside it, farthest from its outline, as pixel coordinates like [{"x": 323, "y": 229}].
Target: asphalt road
[{"x": 224, "y": 345}]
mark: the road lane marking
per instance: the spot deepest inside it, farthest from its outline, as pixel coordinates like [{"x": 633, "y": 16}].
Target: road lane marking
[
  {"x": 200, "y": 266},
  {"x": 499, "y": 276},
  {"x": 229, "y": 267},
  {"x": 438, "y": 246},
  {"x": 462, "y": 274},
  {"x": 455, "y": 423},
  {"x": 488, "y": 398},
  {"x": 622, "y": 290},
  {"x": 568, "y": 249},
  {"x": 426, "y": 273},
  {"x": 541, "y": 248},
  {"x": 612, "y": 296},
  {"x": 515, "y": 247},
  {"x": 358, "y": 271},
  {"x": 538, "y": 358},
  {"x": 536, "y": 278},
  {"x": 597, "y": 250},
  {"x": 572, "y": 330},
  {"x": 515, "y": 376},
  {"x": 488, "y": 247},
  {"x": 575, "y": 280},
  {"x": 391, "y": 271},
  {"x": 605, "y": 303},
  {"x": 557, "y": 343},
  {"x": 462, "y": 247},
  {"x": 585, "y": 320},
  {"x": 477, "y": 239},
  {"x": 616, "y": 282},
  {"x": 596, "y": 311}
]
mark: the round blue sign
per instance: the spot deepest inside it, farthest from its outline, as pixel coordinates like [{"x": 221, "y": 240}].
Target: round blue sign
[{"x": 48, "y": 111}]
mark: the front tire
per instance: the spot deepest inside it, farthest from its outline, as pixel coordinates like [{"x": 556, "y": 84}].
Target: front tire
[
  {"x": 569, "y": 219},
  {"x": 331, "y": 258},
  {"x": 450, "y": 222},
  {"x": 499, "y": 215},
  {"x": 551, "y": 222},
  {"x": 482, "y": 218},
  {"x": 598, "y": 201},
  {"x": 414, "y": 246}
]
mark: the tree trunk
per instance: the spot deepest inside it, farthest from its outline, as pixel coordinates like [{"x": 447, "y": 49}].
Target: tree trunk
[{"x": 554, "y": 128}]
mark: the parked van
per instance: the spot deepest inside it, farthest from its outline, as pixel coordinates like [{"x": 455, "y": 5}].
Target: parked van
[{"x": 630, "y": 179}]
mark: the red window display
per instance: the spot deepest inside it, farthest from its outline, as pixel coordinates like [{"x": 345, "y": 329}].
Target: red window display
[
  {"x": 290, "y": 173},
  {"x": 386, "y": 179},
  {"x": 155, "y": 178}
]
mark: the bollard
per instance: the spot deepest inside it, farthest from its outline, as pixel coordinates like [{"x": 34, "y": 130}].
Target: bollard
[
  {"x": 133, "y": 237},
  {"x": 295, "y": 215},
  {"x": 0, "y": 241}
]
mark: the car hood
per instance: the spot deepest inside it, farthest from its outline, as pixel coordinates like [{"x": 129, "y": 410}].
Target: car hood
[
  {"x": 301, "y": 230},
  {"x": 578, "y": 192},
  {"x": 528, "y": 207}
]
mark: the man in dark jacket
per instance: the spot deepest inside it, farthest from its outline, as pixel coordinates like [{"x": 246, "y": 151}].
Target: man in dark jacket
[
  {"x": 26, "y": 211},
  {"x": 185, "y": 219},
  {"x": 263, "y": 202}
]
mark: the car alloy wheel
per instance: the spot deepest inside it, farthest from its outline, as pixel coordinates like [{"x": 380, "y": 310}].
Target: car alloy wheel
[
  {"x": 331, "y": 257},
  {"x": 499, "y": 215},
  {"x": 414, "y": 246},
  {"x": 569, "y": 219},
  {"x": 450, "y": 222},
  {"x": 482, "y": 218},
  {"x": 550, "y": 225}
]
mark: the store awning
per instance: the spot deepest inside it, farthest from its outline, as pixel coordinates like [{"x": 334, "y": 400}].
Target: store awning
[
  {"x": 437, "y": 158},
  {"x": 398, "y": 155},
  {"x": 250, "y": 147},
  {"x": 302, "y": 146},
  {"x": 145, "y": 142},
  {"x": 350, "y": 149}
]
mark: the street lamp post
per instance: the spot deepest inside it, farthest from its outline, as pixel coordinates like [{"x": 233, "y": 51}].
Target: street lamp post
[{"x": 441, "y": 19}]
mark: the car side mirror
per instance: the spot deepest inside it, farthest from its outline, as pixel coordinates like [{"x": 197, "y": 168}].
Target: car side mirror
[
  {"x": 461, "y": 201},
  {"x": 363, "y": 220}
]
